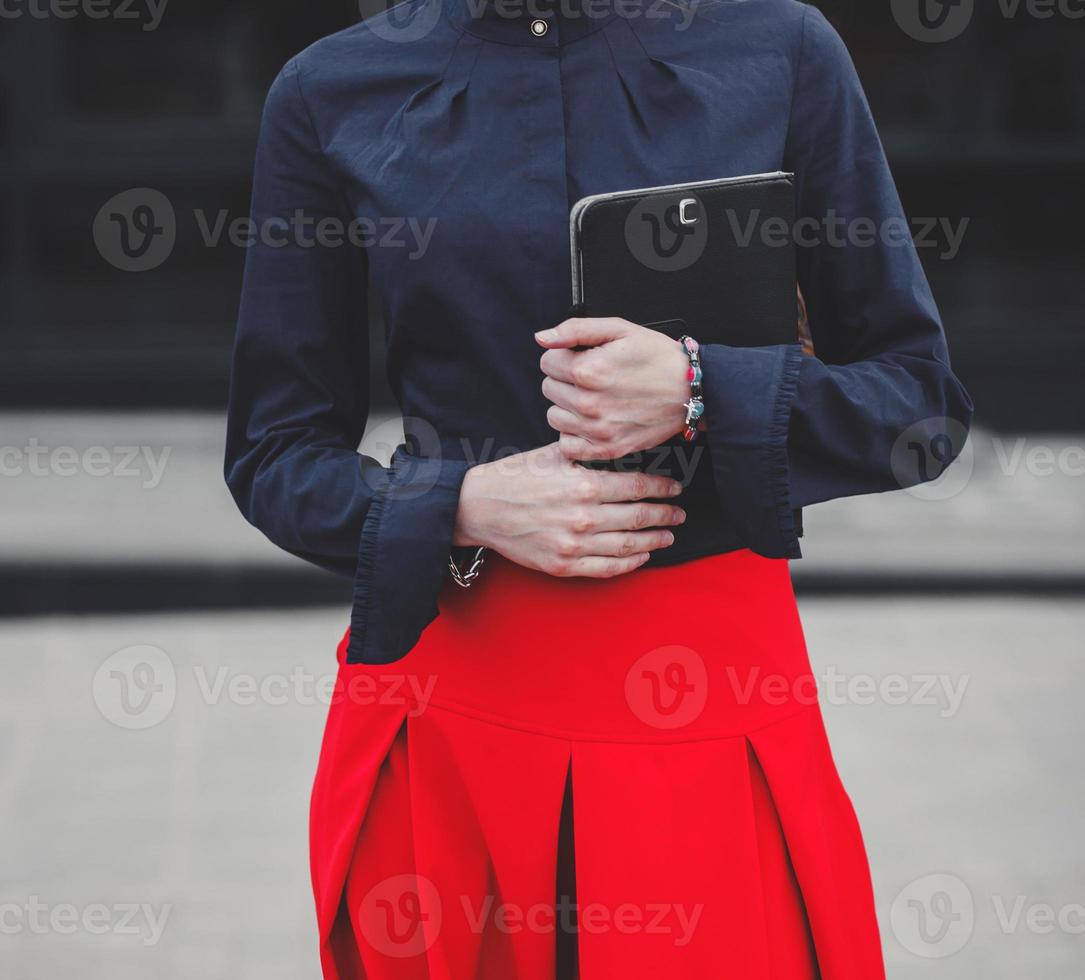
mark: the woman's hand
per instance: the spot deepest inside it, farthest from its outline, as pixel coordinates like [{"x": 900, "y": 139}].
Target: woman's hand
[
  {"x": 544, "y": 512},
  {"x": 623, "y": 395}
]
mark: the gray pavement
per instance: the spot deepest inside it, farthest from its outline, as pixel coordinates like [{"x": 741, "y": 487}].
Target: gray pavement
[
  {"x": 122, "y": 488},
  {"x": 956, "y": 726},
  {"x": 178, "y": 849}
]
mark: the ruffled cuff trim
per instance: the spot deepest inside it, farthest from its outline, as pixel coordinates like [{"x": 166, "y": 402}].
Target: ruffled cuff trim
[
  {"x": 749, "y": 392},
  {"x": 777, "y": 470},
  {"x": 402, "y": 555}
]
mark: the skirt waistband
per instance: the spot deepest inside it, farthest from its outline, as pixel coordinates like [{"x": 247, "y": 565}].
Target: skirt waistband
[{"x": 711, "y": 648}]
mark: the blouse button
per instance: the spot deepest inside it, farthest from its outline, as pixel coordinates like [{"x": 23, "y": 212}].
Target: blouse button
[{"x": 539, "y": 27}]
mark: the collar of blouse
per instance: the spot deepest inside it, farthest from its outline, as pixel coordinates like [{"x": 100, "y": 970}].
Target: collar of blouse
[{"x": 546, "y": 23}]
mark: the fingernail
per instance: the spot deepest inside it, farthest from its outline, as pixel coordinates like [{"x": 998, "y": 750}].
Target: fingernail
[
  {"x": 676, "y": 489},
  {"x": 545, "y": 334},
  {"x": 668, "y": 539},
  {"x": 680, "y": 517}
]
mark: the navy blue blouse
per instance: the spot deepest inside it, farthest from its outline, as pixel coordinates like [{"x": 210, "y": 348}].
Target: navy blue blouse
[{"x": 435, "y": 151}]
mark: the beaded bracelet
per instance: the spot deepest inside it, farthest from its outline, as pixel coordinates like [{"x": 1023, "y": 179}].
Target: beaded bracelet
[{"x": 695, "y": 406}]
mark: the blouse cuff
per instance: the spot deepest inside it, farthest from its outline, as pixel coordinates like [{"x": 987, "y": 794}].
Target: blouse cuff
[
  {"x": 403, "y": 554},
  {"x": 748, "y": 394}
]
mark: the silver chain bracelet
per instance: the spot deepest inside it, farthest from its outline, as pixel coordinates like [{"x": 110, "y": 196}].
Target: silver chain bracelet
[{"x": 465, "y": 579}]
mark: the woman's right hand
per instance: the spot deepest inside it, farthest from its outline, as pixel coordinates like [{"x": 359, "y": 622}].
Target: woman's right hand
[{"x": 545, "y": 512}]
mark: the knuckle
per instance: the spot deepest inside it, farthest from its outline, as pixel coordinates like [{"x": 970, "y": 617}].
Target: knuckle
[
  {"x": 581, "y": 520},
  {"x": 627, "y": 546},
  {"x": 584, "y": 373},
  {"x": 640, "y": 486},
  {"x": 585, "y": 491},
  {"x": 566, "y": 547},
  {"x": 590, "y": 429},
  {"x": 591, "y": 406},
  {"x": 558, "y": 566},
  {"x": 642, "y": 516}
]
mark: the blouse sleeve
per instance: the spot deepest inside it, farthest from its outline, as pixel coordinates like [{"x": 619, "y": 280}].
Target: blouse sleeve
[
  {"x": 299, "y": 400},
  {"x": 784, "y": 429}
]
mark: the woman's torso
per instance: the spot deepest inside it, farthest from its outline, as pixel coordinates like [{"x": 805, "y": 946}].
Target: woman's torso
[{"x": 462, "y": 140}]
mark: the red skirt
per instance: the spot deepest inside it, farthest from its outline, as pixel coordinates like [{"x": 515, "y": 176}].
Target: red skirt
[{"x": 669, "y": 718}]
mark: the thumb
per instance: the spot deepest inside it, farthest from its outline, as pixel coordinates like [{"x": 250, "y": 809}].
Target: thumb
[{"x": 582, "y": 332}]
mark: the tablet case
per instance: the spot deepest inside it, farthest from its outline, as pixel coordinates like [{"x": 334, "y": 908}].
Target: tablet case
[{"x": 712, "y": 258}]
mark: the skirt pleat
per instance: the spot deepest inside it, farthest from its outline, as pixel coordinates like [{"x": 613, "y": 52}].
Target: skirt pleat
[
  {"x": 487, "y": 807},
  {"x": 711, "y": 833},
  {"x": 825, "y": 844},
  {"x": 658, "y": 830},
  {"x": 352, "y": 763}
]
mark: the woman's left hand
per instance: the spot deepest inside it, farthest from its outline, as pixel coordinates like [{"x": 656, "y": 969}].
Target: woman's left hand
[{"x": 624, "y": 394}]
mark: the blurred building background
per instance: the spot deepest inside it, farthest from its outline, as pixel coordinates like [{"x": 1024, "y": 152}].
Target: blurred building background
[
  {"x": 988, "y": 127},
  {"x": 974, "y": 585}
]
